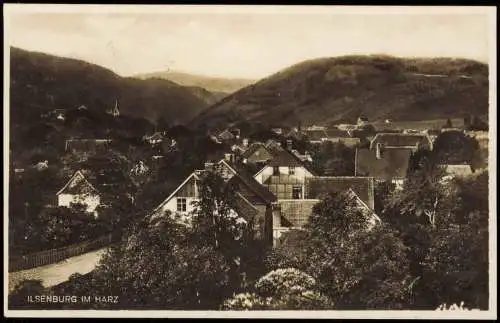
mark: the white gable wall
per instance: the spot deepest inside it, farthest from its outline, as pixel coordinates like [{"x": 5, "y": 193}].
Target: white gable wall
[{"x": 92, "y": 201}]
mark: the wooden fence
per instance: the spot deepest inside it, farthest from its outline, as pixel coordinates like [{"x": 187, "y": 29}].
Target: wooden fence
[{"x": 51, "y": 256}]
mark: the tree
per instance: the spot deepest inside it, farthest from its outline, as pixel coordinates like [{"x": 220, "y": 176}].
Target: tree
[
  {"x": 333, "y": 159},
  {"x": 158, "y": 266},
  {"x": 281, "y": 289},
  {"x": 217, "y": 224},
  {"x": 18, "y": 297},
  {"x": 357, "y": 267},
  {"x": 448, "y": 124},
  {"x": 454, "y": 147}
]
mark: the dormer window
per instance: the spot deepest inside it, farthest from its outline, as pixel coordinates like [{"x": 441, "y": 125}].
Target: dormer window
[
  {"x": 291, "y": 170},
  {"x": 276, "y": 170}
]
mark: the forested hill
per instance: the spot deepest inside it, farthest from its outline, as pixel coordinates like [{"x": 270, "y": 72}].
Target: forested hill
[
  {"x": 329, "y": 90},
  {"x": 40, "y": 83}
]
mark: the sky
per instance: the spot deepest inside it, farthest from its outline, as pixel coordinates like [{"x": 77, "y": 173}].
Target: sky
[{"x": 243, "y": 43}]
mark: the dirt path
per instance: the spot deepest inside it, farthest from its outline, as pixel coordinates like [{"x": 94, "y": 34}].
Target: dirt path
[{"x": 57, "y": 273}]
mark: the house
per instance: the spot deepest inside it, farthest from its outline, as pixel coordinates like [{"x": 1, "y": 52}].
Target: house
[
  {"x": 294, "y": 213},
  {"x": 284, "y": 175},
  {"x": 253, "y": 201},
  {"x": 315, "y": 136},
  {"x": 295, "y": 134},
  {"x": 79, "y": 190},
  {"x": 362, "y": 121},
  {"x": 155, "y": 138},
  {"x": 383, "y": 164},
  {"x": 42, "y": 165},
  {"x": 256, "y": 153},
  {"x": 87, "y": 146},
  {"x": 401, "y": 140},
  {"x": 278, "y": 131},
  {"x": 342, "y": 136},
  {"x": 457, "y": 170},
  {"x": 315, "y": 127}
]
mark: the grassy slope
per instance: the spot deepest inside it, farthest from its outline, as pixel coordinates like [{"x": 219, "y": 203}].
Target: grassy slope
[{"x": 339, "y": 89}]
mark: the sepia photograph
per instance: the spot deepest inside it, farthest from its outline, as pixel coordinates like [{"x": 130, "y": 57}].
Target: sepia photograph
[{"x": 250, "y": 161}]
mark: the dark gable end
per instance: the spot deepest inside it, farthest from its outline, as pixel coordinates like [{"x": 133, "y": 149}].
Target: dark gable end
[{"x": 316, "y": 187}]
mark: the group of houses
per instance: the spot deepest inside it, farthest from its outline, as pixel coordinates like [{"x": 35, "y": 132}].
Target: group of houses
[
  {"x": 275, "y": 191},
  {"x": 274, "y": 185}
]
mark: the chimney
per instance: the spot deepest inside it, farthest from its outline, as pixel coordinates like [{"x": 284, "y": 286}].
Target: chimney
[
  {"x": 245, "y": 142},
  {"x": 377, "y": 150},
  {"x": 289, "y": 144}
]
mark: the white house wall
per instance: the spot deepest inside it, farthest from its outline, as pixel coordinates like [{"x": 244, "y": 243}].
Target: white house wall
[
  {"x": 91, "y": 201},
  {"x": 300, "y": 172}
]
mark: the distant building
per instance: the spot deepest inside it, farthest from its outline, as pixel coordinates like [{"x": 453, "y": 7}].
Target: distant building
[
  {"x": 278, "y": 131},
  {"x": 362, "y": 121},
  {"x": 401, "y": 140},
  {"x": 257, "y": 153},
  {"x": 457, "y": 170},
  {"x": 345, "y": 137},
  {"x": 93, "y": 189}
]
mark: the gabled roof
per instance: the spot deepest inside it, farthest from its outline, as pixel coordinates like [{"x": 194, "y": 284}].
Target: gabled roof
[
  {"x": 400, "y": 139},
  {"x": 240, "y": 174},
  {"x": 317, "y": 186},
  {"x": 225, "y": 135},
  {"x": 165, "y": 201},
  {"x": 71, "y": 187},
  {"x": 315, "y": 135},
  {"x": 252, "y": 149},
  {"x": 393, "y": 163},
  {"x": 337, "y": 133}
]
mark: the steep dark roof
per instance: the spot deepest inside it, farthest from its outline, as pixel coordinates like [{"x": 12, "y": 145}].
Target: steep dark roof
[
  {"x": 247, "y": 178},
  {"x": 252, "y": 149},
  {"x": 337, "y": 133},
  {"x": 315, "y": 135},
  {"x": 315, "y": 187},
  {"x": 392, "y": 164},
  {"x": 244, "y": 208}
]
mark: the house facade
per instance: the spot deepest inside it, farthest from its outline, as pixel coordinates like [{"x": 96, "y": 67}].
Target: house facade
[
  {"x": 253, "y": 202},
  {"x": 293, "y": 214},
  {"x": 78, "y": 190}
]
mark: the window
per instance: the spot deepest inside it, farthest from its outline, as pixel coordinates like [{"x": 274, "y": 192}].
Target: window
[
  {"x": 276, "y": 170},
  {"x": 291, "y": 170},
  {"x": 181, "y": 204},
  {"x": 297, "y": 192}
]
